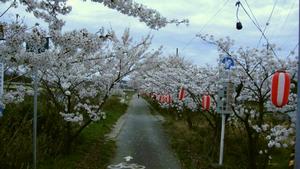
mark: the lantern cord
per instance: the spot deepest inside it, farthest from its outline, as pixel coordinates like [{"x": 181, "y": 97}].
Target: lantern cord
[{"x": 238, "y": 3}]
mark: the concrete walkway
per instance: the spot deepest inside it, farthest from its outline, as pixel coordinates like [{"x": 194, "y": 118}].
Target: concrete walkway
[{"x": 142, "y": 138}]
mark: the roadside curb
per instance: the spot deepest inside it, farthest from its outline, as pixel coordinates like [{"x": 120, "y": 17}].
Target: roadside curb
[{"x": 117, "y": 127}]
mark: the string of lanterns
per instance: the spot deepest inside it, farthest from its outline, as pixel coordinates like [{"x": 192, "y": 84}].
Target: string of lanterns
[{"x": 280, "y": 90}]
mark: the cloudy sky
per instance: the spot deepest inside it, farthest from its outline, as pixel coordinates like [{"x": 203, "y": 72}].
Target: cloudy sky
[{"x": 216, "y": 17}]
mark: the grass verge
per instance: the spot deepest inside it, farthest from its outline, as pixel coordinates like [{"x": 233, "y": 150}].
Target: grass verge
[{"x": 92, "y": 150}]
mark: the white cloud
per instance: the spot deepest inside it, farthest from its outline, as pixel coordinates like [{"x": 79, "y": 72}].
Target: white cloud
[{"x": 93, "y": 15}]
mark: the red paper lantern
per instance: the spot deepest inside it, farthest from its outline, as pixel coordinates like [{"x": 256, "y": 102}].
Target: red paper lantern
[
  {"x": 169, "y": 99},
  {"x": 165, "y": 99},
  {"x": 181, "y": 94},
  {"x": 206, "y": 102},
  {"x": 161, "y": 98},
  {"x": 280, "y": 88}
]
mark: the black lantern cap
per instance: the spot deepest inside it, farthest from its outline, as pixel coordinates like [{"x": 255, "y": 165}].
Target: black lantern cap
[{"x": 239, "y": 26}]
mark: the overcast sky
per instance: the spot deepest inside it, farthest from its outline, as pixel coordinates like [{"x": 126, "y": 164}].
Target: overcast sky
[{"x": 216, "y": 17}]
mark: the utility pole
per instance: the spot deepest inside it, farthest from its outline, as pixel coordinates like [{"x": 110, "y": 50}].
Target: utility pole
[
  {"x": 297, "y": 146},
  {"x": 1, "y": 74},
  {"x": 224, "y": 99},
  {"x": 35, "y": 86},
  {"x": 221, "y": 157},
  {"x": 1, "y": 88},
  {"x": 30, "y": 48}
]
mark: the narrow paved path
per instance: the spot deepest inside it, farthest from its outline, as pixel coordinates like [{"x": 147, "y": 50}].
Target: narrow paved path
[{"x": 142, "y": 138}]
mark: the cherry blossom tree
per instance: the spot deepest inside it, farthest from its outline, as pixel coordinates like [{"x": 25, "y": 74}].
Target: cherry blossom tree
[
  {"x": 83, "y": 67},
  {"x": 262, "y": 122},
  {"x": 252, "y": 107},
  {"x": 49, "y": 10},
  {"x": 76, "y": 74}
]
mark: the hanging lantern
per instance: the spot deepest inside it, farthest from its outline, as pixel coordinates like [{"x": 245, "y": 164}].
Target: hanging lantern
[
  {"x": 1, "y": 32},
  {"x": 161, "y": 98},
  {"x": 181, "y": 94},
  {"x": 165, "y": 99},
  {"x": 169, "y": 99},
  {"x": 206, "y": 102},
  {"x": 280, "y": 88},
  {"x": 239, "y": 26}
]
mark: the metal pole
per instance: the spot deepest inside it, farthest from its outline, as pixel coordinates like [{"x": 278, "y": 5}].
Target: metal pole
[
  {"x": 222, "y": 140},
  {"x": 35, "y": 115},
  {"x": 1, "y": 88},
  {"x": 297, "y": 147}
]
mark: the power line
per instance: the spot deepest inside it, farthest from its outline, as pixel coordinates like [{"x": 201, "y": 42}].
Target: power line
[
  {"x": 211, "y": 18},
  {"x": 281, "y": 25},
  {"x": 289, "y": 12},
  {"x": 259, "y": 28},
  {"x": 268, "y": 21},
  {"x": 286, "y": 18},
  {"x": 8, "y": 8},
  {"x": 189, "y": 42},
  {"x": 252, "y": 13},
  {"x": 293, "y": 51}
]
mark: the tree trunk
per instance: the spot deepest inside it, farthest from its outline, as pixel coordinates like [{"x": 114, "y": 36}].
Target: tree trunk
[
  {"x": 68, "y": 139},
  {"x": 188, "y": 118},
  {"x": 77, "y": 133},
  {"x": 189, "y": 121},
  {"x": 252, "y": 148}
]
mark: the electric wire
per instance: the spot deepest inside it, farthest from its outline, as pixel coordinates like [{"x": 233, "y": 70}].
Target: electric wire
[
  {"x": 268, "y": 21},
  {"x": 5, "y": 10},
  {"x": 292, "y": 51},
  {"x": 211, "y": 19},
  {"x": 263, "y": 32},
  {"x": 252, "y": 13},
  {"x": 286, "y": 18},
  {"x": 288, "y": 15},
  {"x": 259, "y": 28},
  {"x": 10, "y": 6}
]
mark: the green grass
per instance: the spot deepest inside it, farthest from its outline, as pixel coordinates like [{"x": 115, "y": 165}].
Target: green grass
[{"x": 92, "y": 150}]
